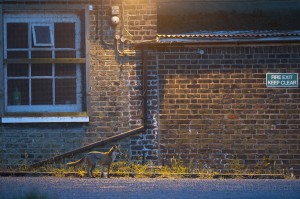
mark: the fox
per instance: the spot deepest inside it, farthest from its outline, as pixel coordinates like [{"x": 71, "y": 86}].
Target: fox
[{"x": 93, "y": 157}]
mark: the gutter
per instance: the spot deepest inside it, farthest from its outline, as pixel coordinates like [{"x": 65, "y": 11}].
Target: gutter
[{"x": 188, "y": 42}]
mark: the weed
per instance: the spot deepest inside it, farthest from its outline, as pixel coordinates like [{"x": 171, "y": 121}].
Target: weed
[
  {"x": 237, "y": 166},
  {"x": 121, "y": 168},
  {"x": 176, "y": 168},
  {"x": 267, "y": 165}
]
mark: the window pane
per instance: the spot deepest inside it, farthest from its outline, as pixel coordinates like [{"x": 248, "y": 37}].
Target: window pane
[
  {"x": 41, "y": 69},
  {"x": 17, "y": 35},
  {"x": 65, "y": 54},
  {"x": 41, "y": 90},
  {"x": 41, "y": 54},
  {"x": 18, "y": 92},
  {"x": 65, "y": 91},
  {"x": 17, "y": 54},
  {"x": 65, "y": 70},
  {"x": 64, "y": 35},
  {"x": 42, "y": 35},
  {"x": 17, "y": 70}
]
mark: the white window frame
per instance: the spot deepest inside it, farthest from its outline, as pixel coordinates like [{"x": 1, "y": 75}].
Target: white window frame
[
  {"x": 34, "y": 33},
  {"x": 44, "y": 18}
]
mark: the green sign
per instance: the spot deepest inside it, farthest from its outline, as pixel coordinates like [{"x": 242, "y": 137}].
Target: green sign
[{"x": 281, "y": 80}]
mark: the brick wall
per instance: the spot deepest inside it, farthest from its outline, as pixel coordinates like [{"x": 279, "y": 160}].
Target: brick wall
[
  {"x": 138, "y": 23},
  {"x": 115, "y": 92},
  {"x": 215, "y": 108},
  {"x": 208, "y": 110}
]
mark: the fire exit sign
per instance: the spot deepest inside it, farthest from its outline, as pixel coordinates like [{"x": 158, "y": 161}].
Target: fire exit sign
[{"x": 282, "y": 80}]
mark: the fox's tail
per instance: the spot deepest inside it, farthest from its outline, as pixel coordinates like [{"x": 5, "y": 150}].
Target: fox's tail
[{"x": 76, "y": 162}]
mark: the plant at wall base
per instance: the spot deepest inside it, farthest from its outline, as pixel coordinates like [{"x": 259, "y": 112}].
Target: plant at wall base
[
  {"x": 140, "y": 170},
  {"x": 237, "y": 166},
  {"x": 25, "y": 161},
  {"x": 267, "y": 165},
  {"x": 125, "y": 167},
  {"x": 121, "y": 168},
  {"x": 165, "y": 172},
  {"x": 178, "y": 167},
  {"x": 207, "y": 174},
  {"x": 289, "y": 174}
]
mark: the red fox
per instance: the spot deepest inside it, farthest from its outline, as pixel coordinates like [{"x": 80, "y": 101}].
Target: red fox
[{"x": 93, "y": 157}]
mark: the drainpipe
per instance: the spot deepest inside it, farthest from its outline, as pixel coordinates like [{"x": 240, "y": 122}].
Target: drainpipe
[
  {"x": 144, "y": 89},
  {"x": 144, "y": 95}
]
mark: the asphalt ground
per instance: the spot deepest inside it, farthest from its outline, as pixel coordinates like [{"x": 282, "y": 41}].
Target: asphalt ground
[{"x": 154, "y": 188}]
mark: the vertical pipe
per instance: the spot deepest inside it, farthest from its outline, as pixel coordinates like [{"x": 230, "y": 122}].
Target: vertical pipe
[
  {"x": 87, "y": 66},
  {"x": 144, "y": 88},
  {"x": 144, "y": 96}
]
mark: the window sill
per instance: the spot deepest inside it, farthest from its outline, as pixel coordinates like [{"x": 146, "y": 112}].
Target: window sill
[{"x": 45, "y": 118}]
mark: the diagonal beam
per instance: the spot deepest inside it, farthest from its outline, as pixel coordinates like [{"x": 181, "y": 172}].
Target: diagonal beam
[{"x": 89, "y": 147}]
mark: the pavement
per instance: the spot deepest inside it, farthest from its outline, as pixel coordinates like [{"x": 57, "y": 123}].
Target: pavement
[{"x": 144, "y": 188}]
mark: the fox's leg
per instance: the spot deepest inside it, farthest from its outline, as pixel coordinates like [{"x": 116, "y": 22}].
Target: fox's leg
[
  {"x": 102, "y": 171},
  {"x": 91, "y": 171},
  {"x": 108, "y": 167},
  {"x": 90, "y": 167},
  {"x": 93, "y": 167}
]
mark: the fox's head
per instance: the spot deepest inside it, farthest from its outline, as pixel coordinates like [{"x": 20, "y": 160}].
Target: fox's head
[{"x": 117, "y": 149}]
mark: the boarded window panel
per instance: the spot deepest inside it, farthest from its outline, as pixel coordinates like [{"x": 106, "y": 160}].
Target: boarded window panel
[
  {"x": 17, "y": 70},
  {"x": 41, "y": 69},
  {"x": 41, "y": 54},
  {"x": 64, "y": 35},
  {"x": 41, "y": 90},
  {"x": 65, "y": 91},
  {"x": 17, "y": 35},
  {"x": 17, "y": 54},
  {"x": 65, "y": 70},
  {"x": 18, "y": 92}
]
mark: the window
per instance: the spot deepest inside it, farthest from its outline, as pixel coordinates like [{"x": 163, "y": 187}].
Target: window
[{"x": 43, "y": 63}]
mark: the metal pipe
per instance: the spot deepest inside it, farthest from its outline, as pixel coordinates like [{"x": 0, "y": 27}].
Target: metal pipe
[
  {"x": 89, "y": 147},
  {"x": 144, "y": 88}
]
